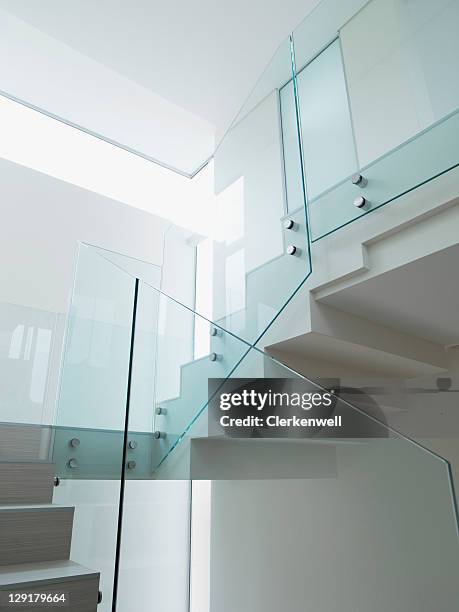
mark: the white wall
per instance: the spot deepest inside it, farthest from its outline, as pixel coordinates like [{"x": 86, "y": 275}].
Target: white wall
[
  {"x": 357, "y": 542},
  {"x": 43, "y": 220},
  {"x": 200, "y": 546}
]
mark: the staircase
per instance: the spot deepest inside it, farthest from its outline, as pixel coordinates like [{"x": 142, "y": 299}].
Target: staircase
[{"x": 35, "y": 540}]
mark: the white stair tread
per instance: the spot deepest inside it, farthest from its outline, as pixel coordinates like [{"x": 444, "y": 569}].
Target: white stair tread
[
  {"x": 279, "y": 441},
  {"x": 26, "y": 461},
  {"x": 47, "y": 571},
  {"x": 27, "y": 507}
]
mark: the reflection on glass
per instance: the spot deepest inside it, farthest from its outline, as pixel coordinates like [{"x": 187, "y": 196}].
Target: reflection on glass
[
  {"x": 93, "y": 386},
  {"x": 249, "y": 238},
  {"x": 28, "y": 337},
  {"x": 404, "y": 81}
]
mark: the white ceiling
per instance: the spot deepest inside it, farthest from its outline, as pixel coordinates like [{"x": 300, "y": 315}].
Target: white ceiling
[{"x": 201, "y": 57}]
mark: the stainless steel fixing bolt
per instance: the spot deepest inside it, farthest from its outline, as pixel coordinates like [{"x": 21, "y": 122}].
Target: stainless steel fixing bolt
[{"x": 358, "y": 179}]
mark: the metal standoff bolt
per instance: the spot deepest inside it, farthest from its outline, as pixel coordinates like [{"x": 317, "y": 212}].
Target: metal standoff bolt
[
  {"x": 72, "y": 463},
  {"x": 358, "y": 179},
  {"x": 131, "y": 465},
  {"x": 132, "y": 444},
  {"x": 99, "y": 597},
  {"x": 159, "y": 434},
  {"x": 214, "y": 331},
  {"x": 360, "y": 202},
  {"x": 289, "y": 224},
  {"x": 74, "y": 442},
  {"x": 56, "y": 481},
  {"x": 291, "y": 249},
  {"x": 160, "y": 410},
  {"x": 444, "y": 384},
  {"x": 214, "y": 357}
]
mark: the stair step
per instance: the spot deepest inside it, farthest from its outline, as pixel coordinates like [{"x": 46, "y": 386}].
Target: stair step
[
  {"x": 24, "y": 442},
  {"x": 35, "y": 532},
  {"x": 25, "y": 574},
  {"x": 26, "y": 482},
  {"x": 79, "y": 584}
]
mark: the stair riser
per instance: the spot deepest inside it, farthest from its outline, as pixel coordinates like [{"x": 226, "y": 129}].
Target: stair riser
[
  {"x": 81, "y": 595},
  {"x": 28, "y": 536},
  {"x": 26, "y": 483}
]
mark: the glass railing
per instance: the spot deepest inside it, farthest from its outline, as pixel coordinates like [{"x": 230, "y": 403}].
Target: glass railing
[
  {"x": 344, "y": 130},
  {"x": 169, "y": 392},
  {"x": 325, "y": 125},
  {"x": 385, "y": 490},
  {"x": 378, "y": 114},
  {"x": 167, "y": 385},
  {"x": 426, "y": 156},
  {"x": 251, "y": 240},
  {"x": 135, "y": 405}
]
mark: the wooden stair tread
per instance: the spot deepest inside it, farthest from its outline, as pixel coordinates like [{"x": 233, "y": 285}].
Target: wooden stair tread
[{"x": 43, "y": 572}]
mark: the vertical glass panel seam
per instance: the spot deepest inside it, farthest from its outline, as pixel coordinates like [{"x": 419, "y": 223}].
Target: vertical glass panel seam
[
  {"x": 351, "y": 114},
  {"x": 300, "y": 148}
]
